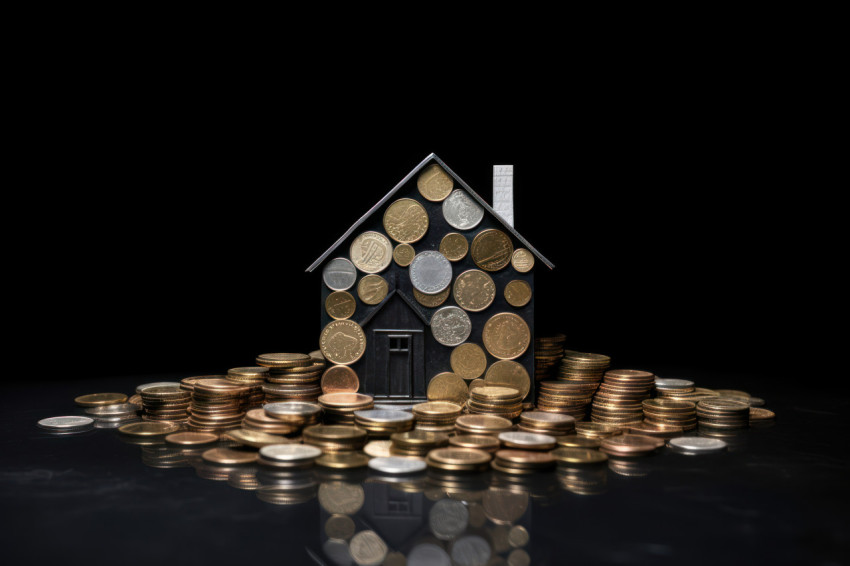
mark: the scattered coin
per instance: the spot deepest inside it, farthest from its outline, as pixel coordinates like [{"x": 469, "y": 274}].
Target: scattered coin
[
  {"x": 339, "y": 274},
  {"x": 147, "y": 429},
  {"x": 696, "y": 445},
  {"x": 760, "y": 414},
  {"x": 67, "y": 424}
]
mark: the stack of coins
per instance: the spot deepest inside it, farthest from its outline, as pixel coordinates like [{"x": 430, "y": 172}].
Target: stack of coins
[
  {"x": 630, "y": 445},
  {"x": 548, "y": 352},
  {"x": 335, "y": 438},
  {"x": 417, "y": 442},
  {"x": 289, "y": 456},
  {"x": 522, "y": 462},
  {"x": 217, "y": 405},
  {"x": 498, "y": 400},
  {"x": 488, "y": 425},
  {"x": 291, "y": 377},
  {"x": 723, "y": 413},
  {"x": 618, "y": 400},
  {"x": 436, "y": 416},
  {"x": 339, "y": 407},
  {"x": 165, "y": 403},
  {"x": 456, "y": 460},
  {"x": 583, "y": 367},
  {"x": 297, "y": 414},
  {"x": 566, "y": 397},
  {"x": 667, "y": 412},
  {"x": 259, "y": 420},
  {"x": 486, "y": 443},
  {"x": 254, "y": 377},
  {"x": 381, "y": 423},
  {"x": 597, "y": 430},
  {"x": 553, "y": 424}
]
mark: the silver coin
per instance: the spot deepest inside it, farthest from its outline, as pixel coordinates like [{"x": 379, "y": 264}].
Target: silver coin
[
  {"x": 756, "y": 402},
  {"x": 663, "y": 383},
  {"x": 448, "y": 518},
  {"x": 428, "y": 554},
  {"x": 144, "y": 386},
  {"x": 290, "y": 452},
  {"x": 471, "y": 550},
  {"x": 430, "y": 272},
  {"x": 66, "y": 424},
  {"x": 337, "y": 552},
  {"x": 696, "y": 444},
  {"x": 292, "y": 408},
  {"x": 526, "y": 438},
  {"x": 115, "y": 423},
  {"x": 461, "y": 211},
  {"x": 451, "y": 326},
  {"x": 388, "y": 407},
  {"x": 339, "y": 274},
  {"x": 384, "y": 416},
  {"x": 397, "y": 465},
  {"x": 117, "y": 410}
]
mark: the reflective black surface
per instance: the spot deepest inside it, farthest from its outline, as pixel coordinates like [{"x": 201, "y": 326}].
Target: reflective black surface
[{"x": 779, "y": 495}]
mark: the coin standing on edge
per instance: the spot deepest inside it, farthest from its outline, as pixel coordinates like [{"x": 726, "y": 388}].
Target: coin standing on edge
[
  {"x": 340, "y": 379},
  {"x": 339, "y": 274}
]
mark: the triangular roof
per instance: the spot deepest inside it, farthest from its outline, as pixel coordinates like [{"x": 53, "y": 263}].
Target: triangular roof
[{"x": 389, "y": 195}]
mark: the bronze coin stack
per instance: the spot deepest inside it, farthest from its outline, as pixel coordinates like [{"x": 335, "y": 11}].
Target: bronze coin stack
[
  {"x": 498, "y": 400},
  {"x": 297, "y": 414},
  {"x": 417, "y": 442},
  {"x": 291, "y": 377},
  {"x": 522, "y": 462},
  {"x": 670, "y": 413},
  {"x": 620, "y": 396},
  {"x": 597, "y": 430},
  {"x": 217, "y": 405},
  {"x": 553, "y": 424},
  {"x": 458, "y": 460},
  {"x": 165, "y": 403},
  {"x": 335, "y": 438},
  {"x": 482, "y": 425},
  {"x": 257, "y": 419},
  {"x": 339, "y": 407},
  {"x": 567, "y": 398},
  {"x": 548, "y": 352},
  {"x": 253, "y": 378},
  {"x": 436, "y": 416},
  {"x": 723, "y": 413}
]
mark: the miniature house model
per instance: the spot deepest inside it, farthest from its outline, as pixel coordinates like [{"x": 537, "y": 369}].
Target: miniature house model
[{"x": 426, "y": 270}]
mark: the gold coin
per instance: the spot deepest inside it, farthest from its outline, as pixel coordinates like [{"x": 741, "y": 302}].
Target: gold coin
[
  {"x": 522, "y": 260},
  {"x": 403, "y": 254},
  {"x": 506, "y": 336},
  {"x": 149, "y": 428},
  {"x": 406, "y": 221},
  {"x": 340, "y": 527},
  {"x": 468, "y": 360},
  {"x": 340, "y": 305},
  {"x": 371, "y": 252},
  {"x": 367, "y": 548},
  {"x": 372, "y": 289},
  {"x": 342, "y": 342},
  {"x": 578, "y": 455},
  {"x": 518, "y": 293},
  {"x": 475, "y": 383},
  {"x": 454, "y": 246},
  {"x": 510, "y": 374},
  {"x": 492, "y": 250},
  {"x": 474, "y": 290},
  {"x": 434, "y": 183},
  {"x": 98, "y": 399},
  {"x": 254, "y": 438},
  {"x": 229, "y": 456},
  {"x": 447, "y": 386},
  {"x": 432, "y": 301},
  {"x": 340, "y": 379}
]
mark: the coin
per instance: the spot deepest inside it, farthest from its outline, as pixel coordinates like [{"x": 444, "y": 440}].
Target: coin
[
  {"x": 403, "y": 254},
  {"x": 661, "y": 383},
  {"x": 468, "y": 360},
  {"x": 290, "y": 452},
  {"x": 486, "y": 443},
  {"x": 340, "y": 305},
  {"x": 66, "y": 424},
  {"x": 527, "y": 440},
  {"x": 372, "y": 289},
  {"x": 343, "y": 342},
  {"x": 284, "y": 360},
  {"x": 447, "y": 386},
  {"x": 506, "y": 336},
  {"x": 292, "y": 411},
  {"x": 144, "y": 386},
  {"x": 461, "y": 211},
  {"x": 339, "y": 274},
  {"x": 117, "y": 410},
  {"x": 522, "y": 260},
  {"x": 474, "y": 290},
  {"x": 191, "y": 438},
  {"x": 491, "y": 249},
  {"x": 406, "y": 221},
  {"x": 434, "y": 183},
  {"x": 255, "y": 438},
  {"x": 229, "y": 456},
  {"x": 451, "y": 326},
  {"x": 759, "y": 414},
  {"x": 248, "y": 374},
  {"x": 696, "y": 445},
  {"x": 630, "y": 445},
  {"x": 378, "y": 448},
  {"x": 342, "y": 460},
  {"x": 340, "y": 527},
  {"x": 471, "y": 549},
  {"x": 397, "y": 465},
  {"x": 578, "y": 456},
  {"x": 430, "y": 272},
  {"x": 432, "y": 301},
  {"x": 147, "y": 429},
  {"x": 371, "y": 252},
  {"x": 340, "y": 379},
  {"x": 511, "y": 374},
  {"x": 97, "y": 399},
  {"x": 454, "y": 246},
  {"x": 428, "y": 554},
  {"x": 518, "y": 293},
  {"x": 482, "y": 424}
]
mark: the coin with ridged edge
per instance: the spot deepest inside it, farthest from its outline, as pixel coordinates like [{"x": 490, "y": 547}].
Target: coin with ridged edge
[{"x": 406, "y": 221}]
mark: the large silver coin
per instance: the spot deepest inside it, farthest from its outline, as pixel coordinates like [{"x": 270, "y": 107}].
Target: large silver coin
[
  {"x": 451, "y": 326},
  {"x": 388, "y": 407},
  {"x": 339, "y": 274},
  {"x": 471, "y": 550},
  {"x": 696, "y": 445},
  {"x": 428, "y": 554},
  {"x": 530, "y": 439},
  {"x": 662, "y": 383},
  {"x": 461, "y": 211},
  {"x": 290, "y": 452},
  {"x": 144, "y": 386},
  {"x": 117, "y": 410},
  {"x": 66, "y": 424},
  {"x": 397, "y": 465},
  {"x": 430, "y": 272},
  {"x": 448, "y": 518},
  {"x": 292, "y": 408},
  {"x": 384, "y": 416}
]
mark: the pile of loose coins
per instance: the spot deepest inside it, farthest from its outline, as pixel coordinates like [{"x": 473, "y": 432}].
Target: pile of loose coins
[
  {"x": 436, "y": 416},
  {"x": 498, "y": 400},
  {"x": 339, "y": 408},
  {"x": 381, "y": 423},
  {"x": 548, "y": 352},
  {"x": 218, "y": 404},
  {"x": 292, "y": 376},
  {"x": 620, "y": 396}
]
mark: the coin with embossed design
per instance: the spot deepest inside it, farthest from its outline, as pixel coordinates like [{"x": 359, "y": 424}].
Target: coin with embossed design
[
  {"x": 492, "y": 249},
  {"x": 340, "y": 379},
  {"x": 406, "y": 221},
  {"x": 340, "y": 305},
  {"x": 432, "y": 301},
  {"x": 342, "y": 342},
  {"x": 511, "y": 374},
  {"x": 372, "y": 289},
  {"x": 454, "y": 246},
  {"x": 371, "y": 252},
  {"x": 339, "y": 274},
  {"x": 451, "y": 326},
  {"x": 506, "y": 336},
  {"x": 518, "y": 293},
  {"x": 461, "y": 211},
  {"x": 474, "y": 290},
  {"x": 447, "y": 386},
  {"x": 430, "y": 272},
  {"x": 468, "y": 360},
  {"x": 522, "y": 260},
  {"x": 403, "y": 254},
  {"x": 434, "y": 183}
]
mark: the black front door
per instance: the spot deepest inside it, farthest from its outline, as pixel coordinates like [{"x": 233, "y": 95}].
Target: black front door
[{"x": 399, "y": 360}]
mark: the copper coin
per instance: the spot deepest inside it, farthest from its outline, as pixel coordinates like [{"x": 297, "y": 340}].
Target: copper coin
[
  {"x": 340, "y": 379},
  {"x": 228, "y": 456},
  {"x": 525, "y": 458},
  {"x": 630, "y": 444},
  {"x": 191, "y": 438},
  {"x": 759, "y": 414}
]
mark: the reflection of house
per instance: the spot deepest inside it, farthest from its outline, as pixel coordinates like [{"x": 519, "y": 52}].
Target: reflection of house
[{"x": 401, "y": 353}]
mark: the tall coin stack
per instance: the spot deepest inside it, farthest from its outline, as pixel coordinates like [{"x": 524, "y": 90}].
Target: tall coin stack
[
  {"x": 339, "y": 407},
  {"x": 548, "y": 352},
  {"x": 578, "y": 378},
  {"x": 381, "y": 423},
  {"x": 723, "y": 413},
  {"x": 335, "y": 438},
  {"x": 436, "y": 416},
  {"x": 165, "y": 403},
  {"x": 417, "y": 442},
  {"x": 292, "y": 377},
  {"x": 497, "y": 400},
  {"x": 669, "y": 413},
  {"x": 253, "y": 378},
  {"x": 217, "y": 405},
  {"x": 619, "y": 399},
  {"x": 558, "y": 396}
]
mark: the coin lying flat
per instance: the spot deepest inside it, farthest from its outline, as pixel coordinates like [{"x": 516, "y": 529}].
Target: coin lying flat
[
  {"x": 371, "y": 252},
  {"x": 339, "y": 274},
  {"x": 144, "y": 386},
  {"x": 696, "y": 445},
  {"x": 434, "y": 183},
  {"x": 148, "y": 429},
  {"x": 191, "y": 438},
  {"x": 669, "y": 383},
  {"x": 451, "y": 326},
  {"x": 343, "y": 460},
  {"x": 97, "y": 399},
  {"x": 66, "y": 424},
  {"x": 384, "y": 416},
  {"x": 406, "y": 221},
  {"x": 461, "y": 211},
  {"x": 430, "y": 272},
  {"x": 527, "y": 440},
  {"x": 254, "y": 438},
  {"x": 228, "y": 456},
  {"x": 397, "y": 465},
  {"x": 342, "y": 342},
  {"x": 290, "y": 452},
  {"x": 117, "y": 410}
]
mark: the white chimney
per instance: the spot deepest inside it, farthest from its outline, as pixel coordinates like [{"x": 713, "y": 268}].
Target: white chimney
[{"x": 503, "y": 192}]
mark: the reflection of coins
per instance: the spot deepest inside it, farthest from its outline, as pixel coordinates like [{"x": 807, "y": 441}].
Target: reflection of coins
[
  {"x": 229, "y": 456},
  {"x": 403, "y": 254},
  {"x": 342, "y": 342},
  {"x": 340, "y": 527},
  {"x": 506, "y": 336},
  {"x": 518, "y": 293},
  {"x": 461, "y": 211},
  {"x": 474, "y": 290},
  {"x": 432, "y": 301},
  {"x": 149, "y": 428},
  {"x": 522, "y": 260},
  {"x": 339, "y": 274},
  {"x": 509, "y": 374},
  {"x": 503, "y": 506},
  {"x": 454, "y": 246},
  {"x": 491, "y": 250},
  {"x": 367, "y": 548},
  {"x": 372, "y": 289},
  {"x": 451, "y": 326},
  {"x": 434, "y": 183},
  {"x": 340, "y": 305},
  {"x": 371, "y": 252},
  {"x": 406, "y": 221},
  {"x": 430, "y": 272},
  {"x": 447, "y": 386},
  {"x": 341, "y": 498},
  {"x": 340, "y": 379},
  {"x": 448, "y": 518},
  {"x": 468, "y": 361}
]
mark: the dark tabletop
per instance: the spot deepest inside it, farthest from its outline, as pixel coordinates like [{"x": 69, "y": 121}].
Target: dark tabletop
[{"x": 779, "y": 495}]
